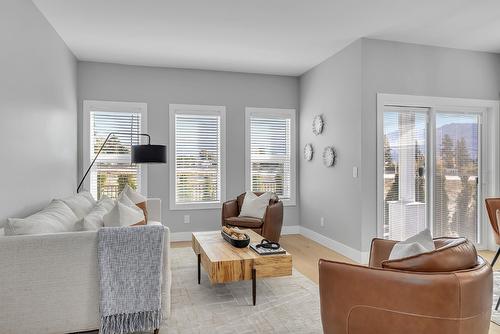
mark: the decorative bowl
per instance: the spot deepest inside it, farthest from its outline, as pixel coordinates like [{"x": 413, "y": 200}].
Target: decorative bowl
[{"x": 236, "y": 242}]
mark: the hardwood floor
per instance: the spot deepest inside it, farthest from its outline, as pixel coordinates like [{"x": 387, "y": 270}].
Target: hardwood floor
[{"x": 306, "y": 254}]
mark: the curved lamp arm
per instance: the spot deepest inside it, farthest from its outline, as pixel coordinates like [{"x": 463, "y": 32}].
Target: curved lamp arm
[{"x": 102, "y": 146}]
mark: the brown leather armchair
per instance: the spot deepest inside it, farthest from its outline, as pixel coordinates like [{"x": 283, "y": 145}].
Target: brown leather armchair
[
  {"x": 446, "y": 291},
  {"x": 269, "y": 227}
]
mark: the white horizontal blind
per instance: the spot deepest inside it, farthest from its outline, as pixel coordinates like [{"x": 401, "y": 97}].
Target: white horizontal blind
[
  {"x": 456, "y": 177},
  {"x": 112, "y": 170},
  {"x": 270, "y": 155},
  {"x": 197, "y": 158},
  {"x": 405, "y": 155}
]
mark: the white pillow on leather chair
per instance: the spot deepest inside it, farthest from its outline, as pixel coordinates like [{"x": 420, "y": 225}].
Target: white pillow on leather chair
[
  {"x": 255, "y": 206},
  {"x": 417, "y": 244}
]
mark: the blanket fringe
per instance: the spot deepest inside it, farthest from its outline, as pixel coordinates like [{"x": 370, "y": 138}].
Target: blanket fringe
[{"x": 130, "y": 322}]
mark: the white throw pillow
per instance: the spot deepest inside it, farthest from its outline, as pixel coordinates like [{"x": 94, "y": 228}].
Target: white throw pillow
[
  {"x": 95, "y": 218},
  {"x": 56, "y": 217},
  {"x": 123, "y": 198},
  {"x": 81, "y": 203},
  {"x": 123, "y": 215},
  {"x": 255, "y": 206},
  {"x": 133, "y": 195},
  {"x": 417, "y": 244}
]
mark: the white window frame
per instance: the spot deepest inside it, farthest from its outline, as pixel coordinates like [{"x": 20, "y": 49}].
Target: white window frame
[
  {"x": 489, "y": 151},
  {"x": 113, "y": 106},
  {"x": 196, "y": 110},
  {"x": 274, "y": 113}
]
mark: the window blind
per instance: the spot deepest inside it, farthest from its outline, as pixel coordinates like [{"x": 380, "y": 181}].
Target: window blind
[
  {"x": 405, "y": 151},
  {"x": 112, "y": 170},
  {"x": 456, "y": 180},
  {"x": 270, "y": 155},
  {"x": 197, "y": 158}
]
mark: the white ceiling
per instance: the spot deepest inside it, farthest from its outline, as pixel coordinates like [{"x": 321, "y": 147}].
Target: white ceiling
[{"x": 261, "y": 36}]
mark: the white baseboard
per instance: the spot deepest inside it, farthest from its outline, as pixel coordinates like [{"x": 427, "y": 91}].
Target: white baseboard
[
  {"x": 353, "y": 254},
  {"x": 294, "y": 229},
  {"x": 180, "y": 236}
]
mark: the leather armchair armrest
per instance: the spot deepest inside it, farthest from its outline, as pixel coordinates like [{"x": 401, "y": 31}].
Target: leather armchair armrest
[
  {"x": 380, "y": 251},
  {"x": 273, "y": 221},
  {"x": 229, "y": 209}
]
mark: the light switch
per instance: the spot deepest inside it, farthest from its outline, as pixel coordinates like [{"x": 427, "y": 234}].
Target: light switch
[{"x": 354, "y": 172}]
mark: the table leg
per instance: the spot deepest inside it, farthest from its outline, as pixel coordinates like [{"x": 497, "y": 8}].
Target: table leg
[
  {"x": 254, "y": 286},
  {"x": 199, "y": 269}
]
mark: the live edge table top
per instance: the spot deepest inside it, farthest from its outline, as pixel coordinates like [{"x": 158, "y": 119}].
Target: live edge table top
[{"x": 225, "y": 263}]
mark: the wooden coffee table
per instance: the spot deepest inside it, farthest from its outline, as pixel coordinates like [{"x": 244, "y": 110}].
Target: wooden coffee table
[{"x": 225, "y": 263}]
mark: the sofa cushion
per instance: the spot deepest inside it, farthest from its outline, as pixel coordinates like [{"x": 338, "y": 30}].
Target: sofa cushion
[
  {"x": 56, "y": 217},
  {"x": 95, "y": 218},
  {"x": 81, "y": 203},
  {"x": 451, "y": 254},
  {"x": 247, "y": 222},
  {"x": 123, "y": 215},
  {"x": 137, "y": 199}
]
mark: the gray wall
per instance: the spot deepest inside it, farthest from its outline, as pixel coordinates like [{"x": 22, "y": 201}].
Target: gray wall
[
  {"x": 344, "y": 90},
  {"x": 332, "y": 89},
  {"x": 38, "y": 110},
  {"x": 158, "y": 87},
  {"x": 400, "y": 68}
]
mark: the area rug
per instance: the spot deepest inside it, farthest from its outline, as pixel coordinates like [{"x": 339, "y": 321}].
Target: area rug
[{"x": 284, "y": 304}]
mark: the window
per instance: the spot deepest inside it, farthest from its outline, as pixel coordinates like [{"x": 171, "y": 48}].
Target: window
[
  {"x": 112, "y": 169},
  {"x": 197, "y": 155},
  {"x": 270, "y": 152},
  {"x": 433, "y": 158}
]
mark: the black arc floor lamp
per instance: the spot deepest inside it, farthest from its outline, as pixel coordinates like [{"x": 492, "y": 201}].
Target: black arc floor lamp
[{"x": 141, "y": 154}]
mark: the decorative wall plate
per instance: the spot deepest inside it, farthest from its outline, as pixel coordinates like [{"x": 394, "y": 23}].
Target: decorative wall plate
[
  {"x": 318, "y": 124},
  {"x": 329, "y": 156},
  {"x": 308, "y": 152}
]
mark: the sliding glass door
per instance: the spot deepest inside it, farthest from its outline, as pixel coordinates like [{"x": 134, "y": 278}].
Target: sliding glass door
[
  {"x": 456, "y": 175},
  {"x": 431, "y": 169},
  {"x": 405, "y": 160}
]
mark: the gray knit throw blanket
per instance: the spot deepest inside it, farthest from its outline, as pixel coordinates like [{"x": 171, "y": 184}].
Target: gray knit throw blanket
[{"x": 130, "y": 266}]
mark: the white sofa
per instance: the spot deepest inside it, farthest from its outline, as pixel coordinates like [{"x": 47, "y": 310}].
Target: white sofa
[{"x": 49, "y": 282}]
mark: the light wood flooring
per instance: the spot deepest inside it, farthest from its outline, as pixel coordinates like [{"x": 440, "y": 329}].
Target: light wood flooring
[{"x": 306, "y": 254}]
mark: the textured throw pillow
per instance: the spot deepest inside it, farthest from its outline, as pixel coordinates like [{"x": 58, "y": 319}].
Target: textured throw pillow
[
  {"x": 417, "y": 244},
  {"x": 95, "y": 218},
  {"x": 123, "y": 215},
  {"x": 56, "y": 217},
  {"x": 81, "y": 203},
  {"x": 137, "y": 199},
  {"x": 255, "y": 206}
]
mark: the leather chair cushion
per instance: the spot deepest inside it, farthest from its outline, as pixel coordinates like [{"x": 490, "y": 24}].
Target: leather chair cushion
[
  {"x": 247, "y": 222},
  {"x": 451, "y": 254}
]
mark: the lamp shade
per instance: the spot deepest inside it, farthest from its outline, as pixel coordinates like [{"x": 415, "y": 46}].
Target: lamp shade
[{"x": 145, "y": 154}]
